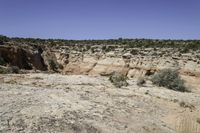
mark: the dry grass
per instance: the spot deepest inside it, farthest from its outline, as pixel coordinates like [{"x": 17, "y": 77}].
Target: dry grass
[{"x": 186, "y": 105}]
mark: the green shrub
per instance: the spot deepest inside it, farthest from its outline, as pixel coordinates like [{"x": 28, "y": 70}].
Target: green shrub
[
  {"x": 88, "y": 47},
  {"x": 3, "y": 39},
  {"x": 170, "y": 79},
  {"x": 107, "y": 48},
  {"x": 118, "y": 79}
]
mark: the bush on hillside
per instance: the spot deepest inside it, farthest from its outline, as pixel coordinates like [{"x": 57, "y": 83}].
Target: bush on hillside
[
  {"x": 53, "y": 65},
  {"x": 118, "y": 79},
  {"x": 3, "y": 70},
  {"x": 12, "y": 69},
  {"x": 170, "y": 79}
]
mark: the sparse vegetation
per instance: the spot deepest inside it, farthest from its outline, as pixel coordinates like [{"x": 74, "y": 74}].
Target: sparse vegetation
[
  {"x": 170, "y": 79},
  {"x": 107, "y": 48},
  {"x": 12, "y": 69},
  {"x": 3, "y": 39},
  {"x": 118, "y": 79},
  {"x": 53, "y": 65},
  {"x": 147, "y": 92},
  {"x": 3, "y": 70},
  {"x": 141, "y": 81},
  {"x": 88, "y": 47},
  {"x": 183, "y": 45},
  {"x": 186, "y": 105}
]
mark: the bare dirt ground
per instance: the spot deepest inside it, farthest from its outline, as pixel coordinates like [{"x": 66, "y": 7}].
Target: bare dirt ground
[{"x": 54, "y": 103}]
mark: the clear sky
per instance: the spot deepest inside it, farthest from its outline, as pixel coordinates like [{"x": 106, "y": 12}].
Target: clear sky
[{"x": 101, "y": 19}]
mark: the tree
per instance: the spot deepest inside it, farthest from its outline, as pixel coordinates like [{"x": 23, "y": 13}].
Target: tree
[{"x": 3, "y": 39}]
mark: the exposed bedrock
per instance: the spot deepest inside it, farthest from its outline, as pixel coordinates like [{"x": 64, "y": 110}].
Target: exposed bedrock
[
  {"x": 146, "y": 63},
  {"x": 133, "y": 62},
  {"x": 132, "y": 65},
  {"x": 23, "y": 58}
]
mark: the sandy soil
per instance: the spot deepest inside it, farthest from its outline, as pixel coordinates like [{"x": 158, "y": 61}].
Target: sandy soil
[{"x": 54, "y": 103}]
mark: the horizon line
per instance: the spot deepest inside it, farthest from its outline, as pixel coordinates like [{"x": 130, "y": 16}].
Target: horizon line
[{"x": 115, "y": 38}]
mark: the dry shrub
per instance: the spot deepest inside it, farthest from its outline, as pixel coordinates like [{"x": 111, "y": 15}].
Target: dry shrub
[
  {"x": 118, "y": 79},
  {"x": 12, "y": 69},
  {"x": 170, "y": 79},
  {"x": 186, "y": 105},
  {"x": 53, "y": 65}
]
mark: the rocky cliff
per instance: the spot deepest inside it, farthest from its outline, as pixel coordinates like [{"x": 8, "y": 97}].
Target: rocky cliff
[
  {"x": 131, "y": 61},
  {"x": 134, "y": 62},
  {"x": 103, "y": 59}
]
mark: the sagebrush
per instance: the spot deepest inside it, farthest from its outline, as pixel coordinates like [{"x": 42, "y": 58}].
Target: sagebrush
[
  {"x": 118, "y": 79},
  {"x": 12, "y": 69},
  {"x": 170, "y": 79}
]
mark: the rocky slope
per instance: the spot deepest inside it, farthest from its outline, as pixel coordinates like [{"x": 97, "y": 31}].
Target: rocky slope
[
  {"x": 104, "y": 59},
  {"x": 54, "y": 103},
  {"x": 133, "y": 62}
]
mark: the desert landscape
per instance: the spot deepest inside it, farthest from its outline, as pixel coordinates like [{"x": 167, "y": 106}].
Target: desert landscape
[{"x": 98, "y": 86}]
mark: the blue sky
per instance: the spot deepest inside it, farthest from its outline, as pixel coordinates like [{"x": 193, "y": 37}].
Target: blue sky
[{"x": 101, "y": 19}]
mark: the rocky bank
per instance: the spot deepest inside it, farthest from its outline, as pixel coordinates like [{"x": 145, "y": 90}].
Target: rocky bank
[{"x": 103, "y": 60}]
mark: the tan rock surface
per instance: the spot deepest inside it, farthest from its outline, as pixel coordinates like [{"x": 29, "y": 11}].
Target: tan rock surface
[{"x": 90, "y": 104}]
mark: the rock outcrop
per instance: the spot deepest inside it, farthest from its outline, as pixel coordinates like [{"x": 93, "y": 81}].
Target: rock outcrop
[
  {"x": 145, "y": 62},
  {"x": 141, "y": 62},
  {"x": 95, "y": 60},
  {"x": 24, "y": 58}
]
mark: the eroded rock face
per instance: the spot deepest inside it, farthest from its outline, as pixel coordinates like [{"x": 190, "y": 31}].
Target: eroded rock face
[
  {"x": 23, "y": 58},
  {"x": 133, "y": 62},
  {"x": 146, "y": 62}
]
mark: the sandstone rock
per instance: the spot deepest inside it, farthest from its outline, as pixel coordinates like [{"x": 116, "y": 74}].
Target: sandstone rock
[
  {"x": 74, "y": 60},
  {"x": 23, "y": 58}
]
